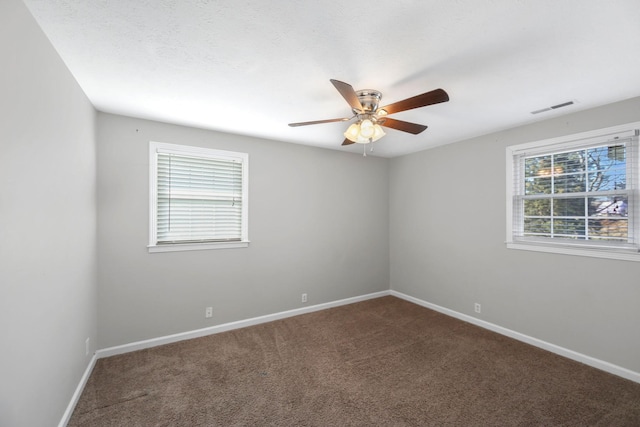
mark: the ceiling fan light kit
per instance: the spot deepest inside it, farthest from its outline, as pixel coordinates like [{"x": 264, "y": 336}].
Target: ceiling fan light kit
[
  {"x": 370, "y": 118},
  {"x": 364, "y": 132}
]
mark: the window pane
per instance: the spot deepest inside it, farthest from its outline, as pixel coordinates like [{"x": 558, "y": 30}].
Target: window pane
[
  {"x": 568, "y": 207},
  {"x": 540, "y": 207},
  {"x": 537, "y": 226},
  {"x": 571, "y": 162},
  {"x": 606, "y": 157},
  {"x": 537, "y": 166},
  {"x": 607, "y": 168},
  {"x": 613, "y": 206},
  {"x": 569, "y": 227},
  {"x": 537, "y": 185},
  {"x": 569, "y": 183},
  {"x": 612, "y": 229},
  {"x": 610, "y": 179},
  {"x": 617, "y": 153}
]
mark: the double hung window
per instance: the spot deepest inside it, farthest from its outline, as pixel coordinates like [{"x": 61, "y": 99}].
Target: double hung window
[
  {"x": 198, "y": 198},
  {"x": 576, "y": 194}
]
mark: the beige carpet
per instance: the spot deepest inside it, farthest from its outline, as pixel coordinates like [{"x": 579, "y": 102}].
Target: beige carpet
[{"x": 382, "y": 362}]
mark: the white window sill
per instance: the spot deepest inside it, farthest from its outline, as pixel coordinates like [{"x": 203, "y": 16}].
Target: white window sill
[
  {"x": 196, "y": 246},
  {"x": 619, "y": 254}
]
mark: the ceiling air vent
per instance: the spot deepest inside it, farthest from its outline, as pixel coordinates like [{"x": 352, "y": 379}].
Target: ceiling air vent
[
  {"x": 541, "y": 111},
  {"x": 553, "y": 107}
]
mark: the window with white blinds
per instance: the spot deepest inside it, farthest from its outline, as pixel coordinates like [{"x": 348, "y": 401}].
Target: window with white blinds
[
  {"x": 198, "y": 198},
  {"x": 576, "y": 194}
]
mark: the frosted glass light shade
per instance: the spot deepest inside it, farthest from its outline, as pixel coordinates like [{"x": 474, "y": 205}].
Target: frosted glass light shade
[
  {"x": 352, "y": 132},
  {"x": 366, "y": 129},
  {"x": 364, "y": 132},
  {"x": 377, "y": 132}
]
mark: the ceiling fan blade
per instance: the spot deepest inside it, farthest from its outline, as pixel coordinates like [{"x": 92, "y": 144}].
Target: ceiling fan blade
[
  {"x": 317, "y": 122},
  {"x": 429, "y": 98},
  {"x": 347, "y": 92},
  {"x": 401, "y": 125},
  {"x": 347, "y": 142}
]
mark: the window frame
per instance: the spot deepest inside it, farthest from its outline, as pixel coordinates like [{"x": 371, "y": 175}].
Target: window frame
[
  {"x": 154, "y": 148},
  {"x": 567, "y": 143}
]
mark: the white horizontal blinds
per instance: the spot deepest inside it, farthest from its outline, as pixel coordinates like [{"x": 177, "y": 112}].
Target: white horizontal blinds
[
  {"x": 633, "y": 189},
  {"x": 199, "y": 199},
  {"x": 578, "y": 194}
]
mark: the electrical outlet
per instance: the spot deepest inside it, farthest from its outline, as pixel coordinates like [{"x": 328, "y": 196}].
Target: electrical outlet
[
  {"x": 86, "y": 347},
  {"x": 208, "y": 312},
  {"x": 477, "y": 307},
  {"x": 304, "y": 297}
]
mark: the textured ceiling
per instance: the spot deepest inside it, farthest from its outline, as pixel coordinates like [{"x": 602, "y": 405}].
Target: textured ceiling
[{"x": 250, "y": 67}]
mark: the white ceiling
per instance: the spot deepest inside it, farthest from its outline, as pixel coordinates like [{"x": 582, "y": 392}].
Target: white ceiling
[{"x": 250, "y": 67}]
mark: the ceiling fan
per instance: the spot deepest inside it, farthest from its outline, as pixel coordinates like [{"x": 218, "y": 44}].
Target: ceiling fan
[{"x": 370, "y": 117}]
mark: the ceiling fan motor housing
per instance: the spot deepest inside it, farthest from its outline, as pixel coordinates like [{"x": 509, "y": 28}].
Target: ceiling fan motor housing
[{"x": 369, "y": 99}]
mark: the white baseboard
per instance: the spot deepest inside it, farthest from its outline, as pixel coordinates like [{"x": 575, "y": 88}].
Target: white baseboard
[
  {"x": 76, "y": 395},
  {"x": 139, "y": 345},
  {"x": 570, "y": 354}
]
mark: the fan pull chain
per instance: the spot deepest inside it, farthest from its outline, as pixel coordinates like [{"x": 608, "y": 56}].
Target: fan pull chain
[{"x": 364, "y": 149}]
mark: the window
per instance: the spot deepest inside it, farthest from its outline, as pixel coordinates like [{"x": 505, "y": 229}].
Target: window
[
  {"x": 198, "y": 198},
  {"x": 576, "y": 194}
]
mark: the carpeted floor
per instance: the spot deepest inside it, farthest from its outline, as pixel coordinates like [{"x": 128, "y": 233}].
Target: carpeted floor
[{"x": 382, "y": 362}]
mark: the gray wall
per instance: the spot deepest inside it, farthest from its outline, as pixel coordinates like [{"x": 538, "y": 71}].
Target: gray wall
[
  {"x": 48, "y": 286},
  {"x": 321, "y": 222},
  {"x": 447, "y": 228},
  {"x": 318, "y": 223}
]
